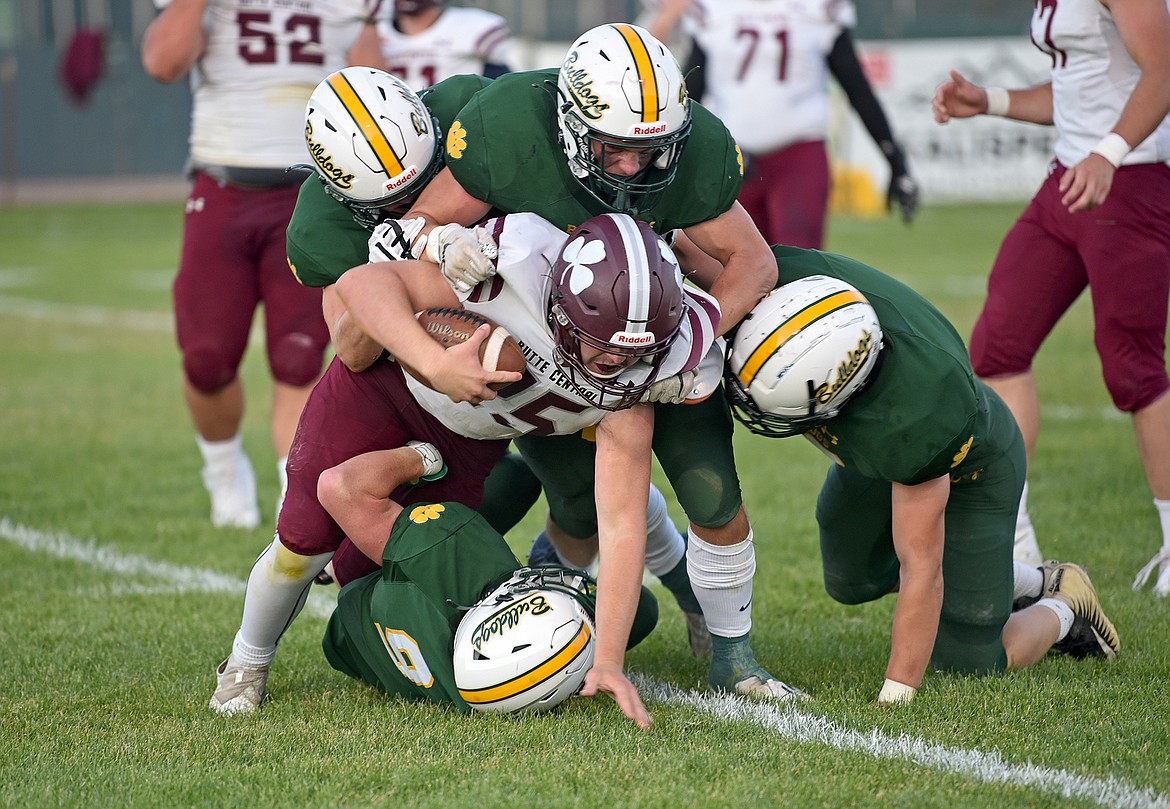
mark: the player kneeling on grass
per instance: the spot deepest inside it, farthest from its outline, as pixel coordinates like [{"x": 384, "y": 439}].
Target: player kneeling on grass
[
  {"x": 452, "y": 618},
  {"x": 928, "y": 467}
]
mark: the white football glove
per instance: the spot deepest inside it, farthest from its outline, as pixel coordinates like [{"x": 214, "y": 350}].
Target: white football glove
[
  {"x": 672, "y": 390},
  {"x": 397, "y": 240},
  {"x": 465, "y": 255}
]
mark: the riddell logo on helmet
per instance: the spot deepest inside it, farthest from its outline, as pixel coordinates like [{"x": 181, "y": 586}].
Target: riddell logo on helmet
[
  {"x": 652, "y": 129},
  {"x": 402, "y": 179},
  {"x": 628, "y": 338}
]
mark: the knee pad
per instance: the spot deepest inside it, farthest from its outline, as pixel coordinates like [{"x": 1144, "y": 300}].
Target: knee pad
[
  {"x": 296, "y": 359},
  {"x": 207, "y": 369},
  {"x": 1132, "y": 390}
]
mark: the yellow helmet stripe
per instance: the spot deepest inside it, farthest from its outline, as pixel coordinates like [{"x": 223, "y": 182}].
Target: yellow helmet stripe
[
  {"x": 646, "y": 76},
  {"x": 369, "y": 127},
  {"x": 772, "y": 343},
  {"x": 523, "y": 682}
]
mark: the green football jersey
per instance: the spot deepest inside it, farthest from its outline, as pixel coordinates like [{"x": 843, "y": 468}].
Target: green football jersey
[
  {"x": 322, "y": 239},
  {"x": 922, "y": 413},
  {"x": 395, "y": 629},
  {"x": 504, "y": 150}
]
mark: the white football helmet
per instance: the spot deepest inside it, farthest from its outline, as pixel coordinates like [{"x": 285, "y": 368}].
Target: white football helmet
[
  {"x": 373, "y": 142},
  {"x": 527, "y": 646},
  {"x": 800, "y": 354},
  {"x": 620, "y": 87}
]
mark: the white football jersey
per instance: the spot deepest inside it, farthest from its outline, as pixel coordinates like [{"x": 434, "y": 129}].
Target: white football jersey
[
  {"x": 543, "y": 402},
  {"x": 767, "y": 71},
  {"x": 262, "y": 61},
  {"x": 1092, "y": 78},
  {"x": 462, "y": 40}
]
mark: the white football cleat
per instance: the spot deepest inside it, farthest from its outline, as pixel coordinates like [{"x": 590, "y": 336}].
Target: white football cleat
[
  {"x": 769, "y": 688},
  {"x": 238, "y": 690},
  {"x": 233, "y": 494},
  {"x": 1161, "y": 561}
]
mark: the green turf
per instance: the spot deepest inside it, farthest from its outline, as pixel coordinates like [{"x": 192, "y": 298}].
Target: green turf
[{"x": 107, "y": 664}]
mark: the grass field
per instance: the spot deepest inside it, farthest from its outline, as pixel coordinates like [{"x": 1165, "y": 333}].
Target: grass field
[{"x": 119, "y": 598}]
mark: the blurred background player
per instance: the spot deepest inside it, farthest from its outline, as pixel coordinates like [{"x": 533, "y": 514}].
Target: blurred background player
[
  {"x": 1109, "y": 99},
  {"x": 426, "y": 42},
  {"x": 928, "y": 465},
  {"x": 763, "y": 67},
  {"x": 253, "y": 66},
  {"x": 613, "y": 130}
]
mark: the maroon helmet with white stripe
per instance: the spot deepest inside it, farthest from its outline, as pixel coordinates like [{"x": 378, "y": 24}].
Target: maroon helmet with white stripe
[{"x": 616, "y": 287}]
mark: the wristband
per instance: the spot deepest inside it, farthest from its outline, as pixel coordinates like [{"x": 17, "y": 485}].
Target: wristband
[
  {"x": 1113, "y": 148},
  {"x": 998, "y": 101},
  {"x": 894, "y": 692}
]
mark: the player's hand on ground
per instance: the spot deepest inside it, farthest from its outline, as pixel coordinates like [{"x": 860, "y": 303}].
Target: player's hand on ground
[
  {"x": 613, "y": 681},
  {"x": 957, "y": 98},
  {"x": 460, "y": 374},
  {"x": 1086, "y": 185},
  {"x": 465, "y": 255}
]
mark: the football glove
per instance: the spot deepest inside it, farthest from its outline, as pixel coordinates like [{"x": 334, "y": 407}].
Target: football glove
[
  {"x": 465, "y": 255},
  {"x": 397, "y": 240},
  {"x": 903, "y": 192},
  {"x": 673, "y": 389}
]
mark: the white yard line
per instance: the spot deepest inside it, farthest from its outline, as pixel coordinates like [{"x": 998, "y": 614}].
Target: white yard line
[{"x": 785, "y": 721}]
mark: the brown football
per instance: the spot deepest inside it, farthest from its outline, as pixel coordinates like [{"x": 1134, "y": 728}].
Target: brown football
[{"x": 451, "y": 327}]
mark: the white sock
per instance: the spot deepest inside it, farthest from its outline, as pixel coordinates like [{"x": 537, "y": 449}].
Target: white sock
[
  {"x": 1026, "y": 548},
  {"x": 220, "y": 454},
  {"x": 277, "y": 588},
  {"x": 1063, "y": 612},
  {"x": 664, "y": 544},
  {"x": 282, "y": 476},
  {"x": 721, "y": 577},
  {"x": 1029, "y": 581},
  {"x": 1163, "y": 507}
]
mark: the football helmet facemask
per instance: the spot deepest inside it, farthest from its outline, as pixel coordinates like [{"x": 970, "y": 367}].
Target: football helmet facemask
[
  {"x": 616, "y": 287},
  {"x": 373, "y": 142},
  {"x": 800, "y": 355},
  {"x": 620, "y": 88},
  {"x": 527, "y": 646}
]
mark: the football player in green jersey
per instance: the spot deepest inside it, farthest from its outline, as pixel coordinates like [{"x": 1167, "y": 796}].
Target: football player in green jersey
[
  {"x": 928, "y": 467},
  {"x": 451, "y": 619},
  {"x": 612, "y": 130}
]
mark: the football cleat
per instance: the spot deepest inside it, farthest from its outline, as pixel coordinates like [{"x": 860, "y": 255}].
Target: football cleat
[
  {"x": 1092, "y": 633},
  {"x": 238, "y": 690},
  {"x": 734, "y": 670},
  {"x": 233, "y": 494},
  {"x": 1161, "y": 561},
  {"x": 542, "y": 552},
  {"x": 765, "y": 686},
  {"x": 1046, "y": 571},
  {"x": 698, "y": 636}
]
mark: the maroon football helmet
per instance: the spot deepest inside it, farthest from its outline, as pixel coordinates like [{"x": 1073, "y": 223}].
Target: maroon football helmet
[{"x": 616, "y": 286}]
